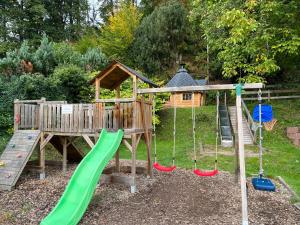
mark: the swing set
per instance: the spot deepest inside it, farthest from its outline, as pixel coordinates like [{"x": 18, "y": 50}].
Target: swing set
[
  {"x": 198, "y": 172},
  {"x": 240, "y": 142}
]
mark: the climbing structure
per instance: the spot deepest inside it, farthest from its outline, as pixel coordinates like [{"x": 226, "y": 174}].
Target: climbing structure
[{"x": 16, "y": 155}]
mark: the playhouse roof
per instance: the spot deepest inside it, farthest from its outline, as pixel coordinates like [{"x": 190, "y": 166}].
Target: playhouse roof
[
  {"x": 116, "y": 73},
  {"x": 182, "y": 78}
]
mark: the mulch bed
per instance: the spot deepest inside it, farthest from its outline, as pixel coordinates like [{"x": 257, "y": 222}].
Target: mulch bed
[{"x": 177, "y": 198}]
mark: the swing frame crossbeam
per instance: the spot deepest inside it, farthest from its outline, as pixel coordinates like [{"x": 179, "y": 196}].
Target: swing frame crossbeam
[{"x": 241, "y": 147}]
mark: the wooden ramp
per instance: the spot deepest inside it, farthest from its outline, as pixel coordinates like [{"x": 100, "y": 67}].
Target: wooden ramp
[
  {"x": 74, "y": 154},
  {"x": 248, "y": 138},
  {"x": 16, "y": 155}
]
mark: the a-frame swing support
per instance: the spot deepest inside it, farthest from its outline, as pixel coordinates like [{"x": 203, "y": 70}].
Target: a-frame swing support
[{"x": 241, "y": 147}]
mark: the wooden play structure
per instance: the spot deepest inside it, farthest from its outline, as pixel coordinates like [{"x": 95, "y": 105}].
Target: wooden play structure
[{"x": 39, "y": 122}]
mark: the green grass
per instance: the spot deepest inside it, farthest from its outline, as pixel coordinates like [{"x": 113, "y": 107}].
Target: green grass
[{"x": 282, "y": 158}]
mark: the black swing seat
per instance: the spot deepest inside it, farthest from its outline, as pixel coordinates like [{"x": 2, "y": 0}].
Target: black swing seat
[{"x": 263, "y": 184}]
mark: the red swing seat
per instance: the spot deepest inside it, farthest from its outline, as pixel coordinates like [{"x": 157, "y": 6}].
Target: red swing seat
[
  {"x": 201, "y": 173},
  {"x": 163, "y": 168}
]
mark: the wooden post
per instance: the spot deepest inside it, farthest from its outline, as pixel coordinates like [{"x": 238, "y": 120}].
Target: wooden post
[
  {"x": 97, "y": 83},
  {"x": 117, "y": 155},
  {"x": 42, "y": 157},
  {"x": 147, "y": 135},
  {"x": 133, "y": 163},
  {"x": 64, "y": 155},
  {"x": 17, "y": 116},
  {"x": 241, "y": 154}
]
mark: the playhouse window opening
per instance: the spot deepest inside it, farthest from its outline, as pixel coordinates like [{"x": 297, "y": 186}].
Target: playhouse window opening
[{"x": 186, "y": 96}]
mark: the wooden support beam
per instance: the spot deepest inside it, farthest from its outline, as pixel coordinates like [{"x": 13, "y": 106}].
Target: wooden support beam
[
  {"x": 46, "y": 141},
  {"x": 97, "y": 88},
  {"x": 147, "y": 137},
  {"x": 115, "y": 100},
  {"x": 65, "y": 155},
  {"x": 133, "y": 163},
  {"x": 88, "y": 140},
  {"x": 42, "y": 157},
  {"x": 199, "y": 88},
  {"x": 125, "y": 142},
  {"x": 241, "y": 155}
]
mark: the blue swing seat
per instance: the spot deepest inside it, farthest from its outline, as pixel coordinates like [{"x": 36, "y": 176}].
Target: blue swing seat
[{"x": 263, "y": 184}]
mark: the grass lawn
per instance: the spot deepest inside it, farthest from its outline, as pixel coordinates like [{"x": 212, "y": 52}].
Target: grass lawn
[{"x": 282, "y": 158}]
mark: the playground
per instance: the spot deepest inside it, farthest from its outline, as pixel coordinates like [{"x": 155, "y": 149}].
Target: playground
[
  {"x": 176, "y": 198},
  {"x": 155, "y": 191}
]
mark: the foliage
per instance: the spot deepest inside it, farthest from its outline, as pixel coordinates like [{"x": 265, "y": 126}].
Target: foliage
[
  {"x": 117, "y": 35},
  {"x": 65, "y": 53},
  {"x": 94, "y": 60},
  {"x": 248, "y": 36},
  {"x": 33, "y": 86},
  {"x": 160, "y": 38},
  {"x": 44, "y": 60},
  {"x": 87, "y": 41},
  {"x": 72, "y": 83}
]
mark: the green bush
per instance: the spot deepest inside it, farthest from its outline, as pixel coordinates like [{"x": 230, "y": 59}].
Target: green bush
[{"x": 72, "y": 82}]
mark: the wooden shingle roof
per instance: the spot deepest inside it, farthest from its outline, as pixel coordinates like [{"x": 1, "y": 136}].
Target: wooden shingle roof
[{"x": 116, "y": 73}]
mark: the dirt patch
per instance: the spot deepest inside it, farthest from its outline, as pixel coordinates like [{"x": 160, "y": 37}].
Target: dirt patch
[{"x": 177, "y": 198}]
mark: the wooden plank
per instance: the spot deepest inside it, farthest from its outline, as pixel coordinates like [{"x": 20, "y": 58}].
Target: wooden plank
[
  {"x": 133, "y": 163},
  {"x": 90, "y": 115},
  {"x": 88, "y": 140},
  {"x": 147, "y": 137},
  {"x": 45, "y": 142},
  {"x": 275, "y": 97},
  {"x": 115, "y": 100},
  {"x": 125, "y": 142},
  {"x": 64, "y": 155},
  {"x": 199, "y": 88}
]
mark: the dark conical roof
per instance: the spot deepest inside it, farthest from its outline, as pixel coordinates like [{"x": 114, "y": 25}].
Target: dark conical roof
[{"x": 181, "y": 79}]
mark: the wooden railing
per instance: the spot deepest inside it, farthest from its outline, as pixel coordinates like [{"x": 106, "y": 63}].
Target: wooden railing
[
  {"x": 60, "y": 117},
  {"x": 273, "y": 94},
  {"x": 250, "y": 122}
]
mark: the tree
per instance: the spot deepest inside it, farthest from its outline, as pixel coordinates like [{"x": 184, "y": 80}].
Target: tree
[
  {"x": 117, "y": 35},
  {"x": 160, "y": 38},
  {"x": 44, "y": 60},
  {"x": 94, "y": 60},
  {"x": 109, "y": 8},
  {"x": 72, "y": 82},
  {"x": 248, "y": 36}
]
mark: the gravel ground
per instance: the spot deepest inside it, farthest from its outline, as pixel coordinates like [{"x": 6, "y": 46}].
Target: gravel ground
[{"x": 177, "y": 198}]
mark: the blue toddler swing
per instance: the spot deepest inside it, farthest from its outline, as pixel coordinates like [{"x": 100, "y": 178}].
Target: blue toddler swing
[{"x": 262, "y": 113}]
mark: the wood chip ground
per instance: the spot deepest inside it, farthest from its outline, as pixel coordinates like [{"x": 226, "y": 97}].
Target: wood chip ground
[{"x": 177, "y": 198}]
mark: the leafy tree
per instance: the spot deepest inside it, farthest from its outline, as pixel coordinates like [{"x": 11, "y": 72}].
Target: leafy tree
[
  {"x": 160, "y": 38},
  {"x": 89, "y": 40},
  {"x": 248, "y": 36},
  {"x": 12, "y": 63},
  {"x": 72, "y": 82},
  {"x": 65, "y": 53},
  {"x": 118, "y": 34}
]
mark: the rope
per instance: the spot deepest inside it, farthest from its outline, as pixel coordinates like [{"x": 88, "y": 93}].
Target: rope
[
  {"x": 174, "y": 132},
  {"x": 194, "y": 132},
  {"x": 154, "y": 127},
  {"x": 261, "y": 171}
]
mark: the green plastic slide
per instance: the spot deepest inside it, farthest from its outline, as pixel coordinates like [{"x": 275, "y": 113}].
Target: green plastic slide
[{"x": 82, "y": 184}]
